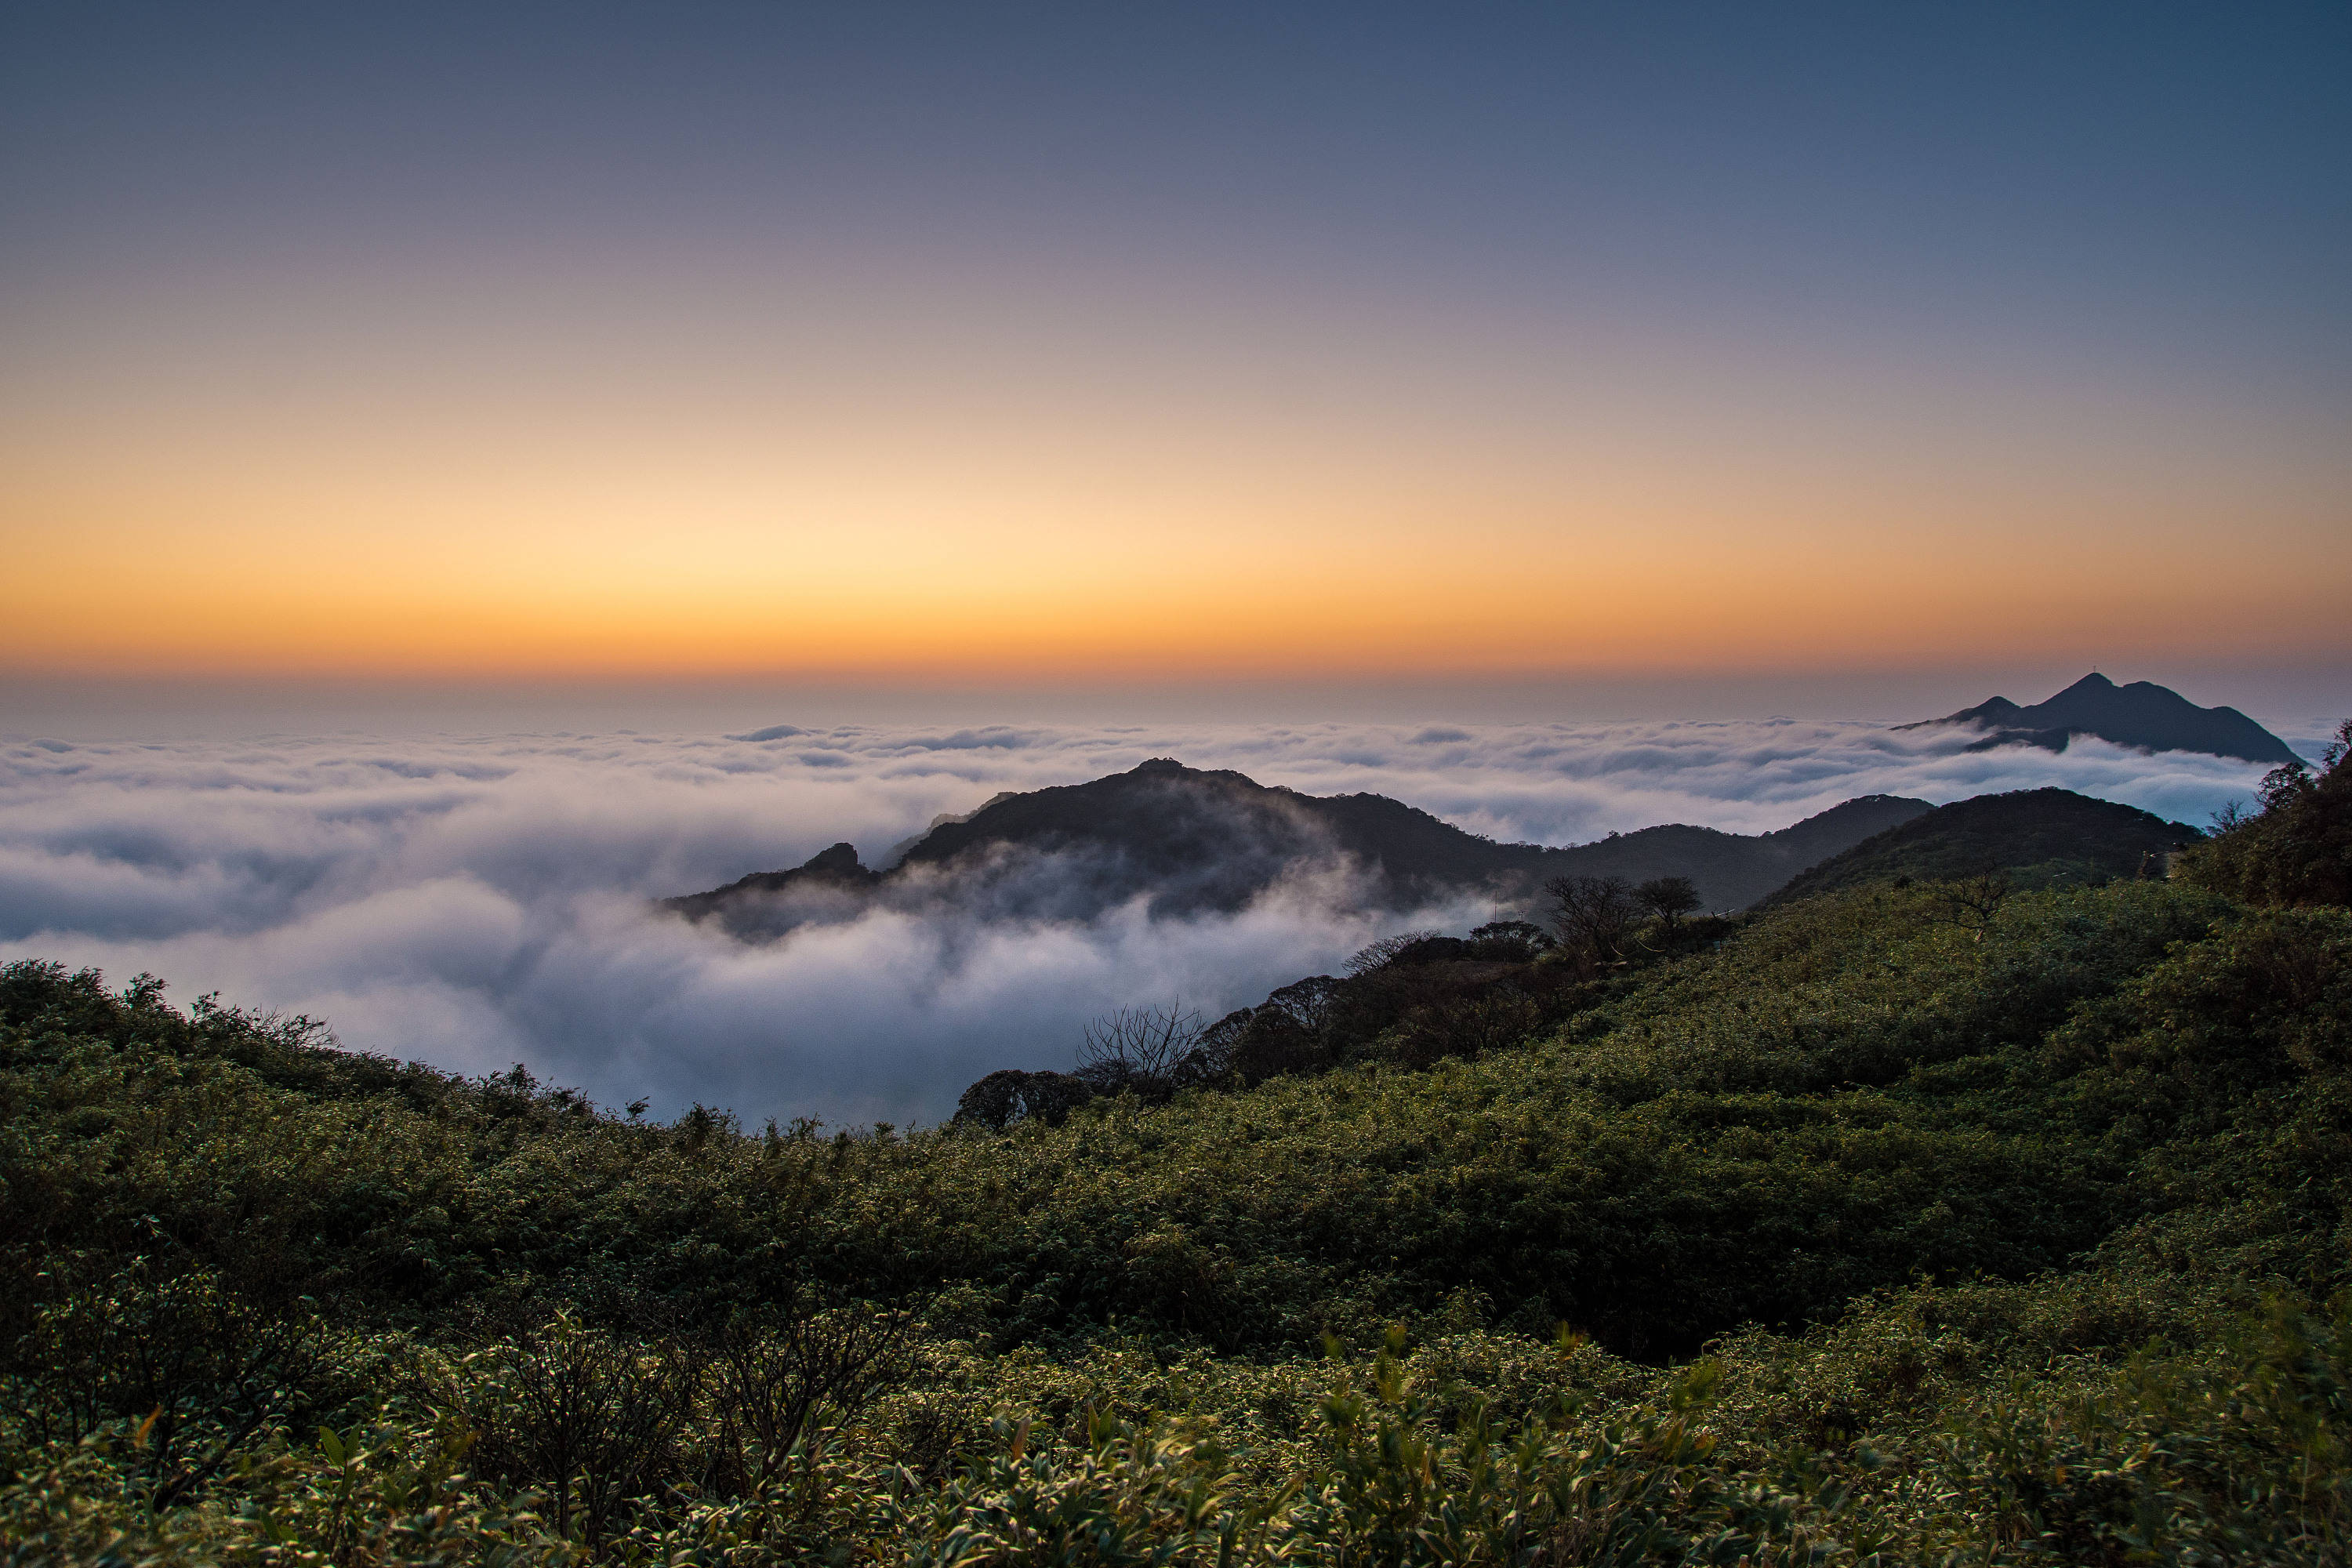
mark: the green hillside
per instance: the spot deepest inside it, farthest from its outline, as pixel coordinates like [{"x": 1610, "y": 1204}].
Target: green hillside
[
  {"x": 2037, "y": 837},
  {"x": 1871, "y": 1235}
]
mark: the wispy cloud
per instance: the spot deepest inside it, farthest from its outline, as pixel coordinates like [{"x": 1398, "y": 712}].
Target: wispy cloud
[{"x": 475, "y": 901}]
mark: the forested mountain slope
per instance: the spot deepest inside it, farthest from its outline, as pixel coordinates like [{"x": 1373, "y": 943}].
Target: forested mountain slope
[{"x": 2033, "y": 837}]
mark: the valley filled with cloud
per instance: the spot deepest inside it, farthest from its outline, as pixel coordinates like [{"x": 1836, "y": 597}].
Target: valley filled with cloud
[{"x": 475, "y": 902}]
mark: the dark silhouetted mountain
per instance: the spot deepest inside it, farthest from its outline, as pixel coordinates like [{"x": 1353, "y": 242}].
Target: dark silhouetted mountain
[
  {"x": 1189, "y": 841},
  {"x": 1732, "y": 870},
  {"x": 833, "y": 873},
  {"x": 2039, "y": 836},
  {"x": 2142, "y": 714}
]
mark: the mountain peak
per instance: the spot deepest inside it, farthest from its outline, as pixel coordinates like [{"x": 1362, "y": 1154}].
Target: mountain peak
[
  {"x": 840, "y": 861},
  {"x": 2142, "y": 715}
]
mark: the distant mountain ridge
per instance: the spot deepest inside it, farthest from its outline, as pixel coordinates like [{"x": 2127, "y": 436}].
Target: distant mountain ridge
[
  {"x": 2144, "y": 715},
  {"x": 2038, "y": 837},
  {"x": 1192, "y": 840}
]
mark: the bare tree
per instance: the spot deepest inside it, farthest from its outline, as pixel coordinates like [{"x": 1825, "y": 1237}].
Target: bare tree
[
  {"x": 777, "y": 1373},
  {"x": 1591, "y": 914},
  {"x": 1141, "y": 1047},
  {"x": 1971, "y": 903},
  {"x": 593, "y": 1418},
  {"x": 1667, "y": 898}
]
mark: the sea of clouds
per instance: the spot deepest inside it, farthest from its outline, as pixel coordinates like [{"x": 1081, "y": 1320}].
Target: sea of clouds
[{"x": 475, "y": 901}]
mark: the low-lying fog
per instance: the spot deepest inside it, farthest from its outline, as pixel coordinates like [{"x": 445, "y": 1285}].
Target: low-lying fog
[{"x": 476, "y": 901}]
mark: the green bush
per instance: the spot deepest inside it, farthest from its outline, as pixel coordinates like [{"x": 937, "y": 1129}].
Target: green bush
[{"x": 2297, "y": 848}]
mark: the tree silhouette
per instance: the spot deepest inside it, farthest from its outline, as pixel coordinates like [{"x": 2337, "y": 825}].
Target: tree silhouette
[
  {"x": 1668, "y": 897},
  {"x": 1138, "y": 1048},
  {"x": 1591, "y": 914}
]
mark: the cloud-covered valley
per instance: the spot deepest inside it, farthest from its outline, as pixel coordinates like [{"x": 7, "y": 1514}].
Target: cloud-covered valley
[{"x": 475, "y": 901}]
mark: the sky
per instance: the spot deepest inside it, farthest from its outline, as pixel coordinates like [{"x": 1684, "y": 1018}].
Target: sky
[
  {"x": 478, "y": 901},
  {"x": 1820, "y": 359}
]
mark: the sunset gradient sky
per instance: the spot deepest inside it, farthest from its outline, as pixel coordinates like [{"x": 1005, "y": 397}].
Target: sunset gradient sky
[{"x": 1022, "y": 343}]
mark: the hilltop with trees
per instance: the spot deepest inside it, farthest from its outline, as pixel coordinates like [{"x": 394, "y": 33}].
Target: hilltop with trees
[{"x": 2038, "y": 837}]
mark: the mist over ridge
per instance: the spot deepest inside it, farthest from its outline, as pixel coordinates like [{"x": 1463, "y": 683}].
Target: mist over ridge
[
  {"x": 475, "y": 901},
  {"x": 1188, "y": 841}
]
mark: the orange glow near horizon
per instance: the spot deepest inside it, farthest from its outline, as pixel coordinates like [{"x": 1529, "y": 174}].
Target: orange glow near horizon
[
  {"x": 1483, "y": 601},
  {"x": 1278, "y": 498}
]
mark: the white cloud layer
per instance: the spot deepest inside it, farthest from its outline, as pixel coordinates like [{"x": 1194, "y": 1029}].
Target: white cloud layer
[{"x": 475, "y": 901}]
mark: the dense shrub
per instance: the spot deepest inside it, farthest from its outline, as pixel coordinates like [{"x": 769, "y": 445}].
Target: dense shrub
[{"x": 2296, "y": 846}]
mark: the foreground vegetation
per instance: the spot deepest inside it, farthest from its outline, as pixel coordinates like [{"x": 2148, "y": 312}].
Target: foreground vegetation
[{"x": 1905, "y": 1226}]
